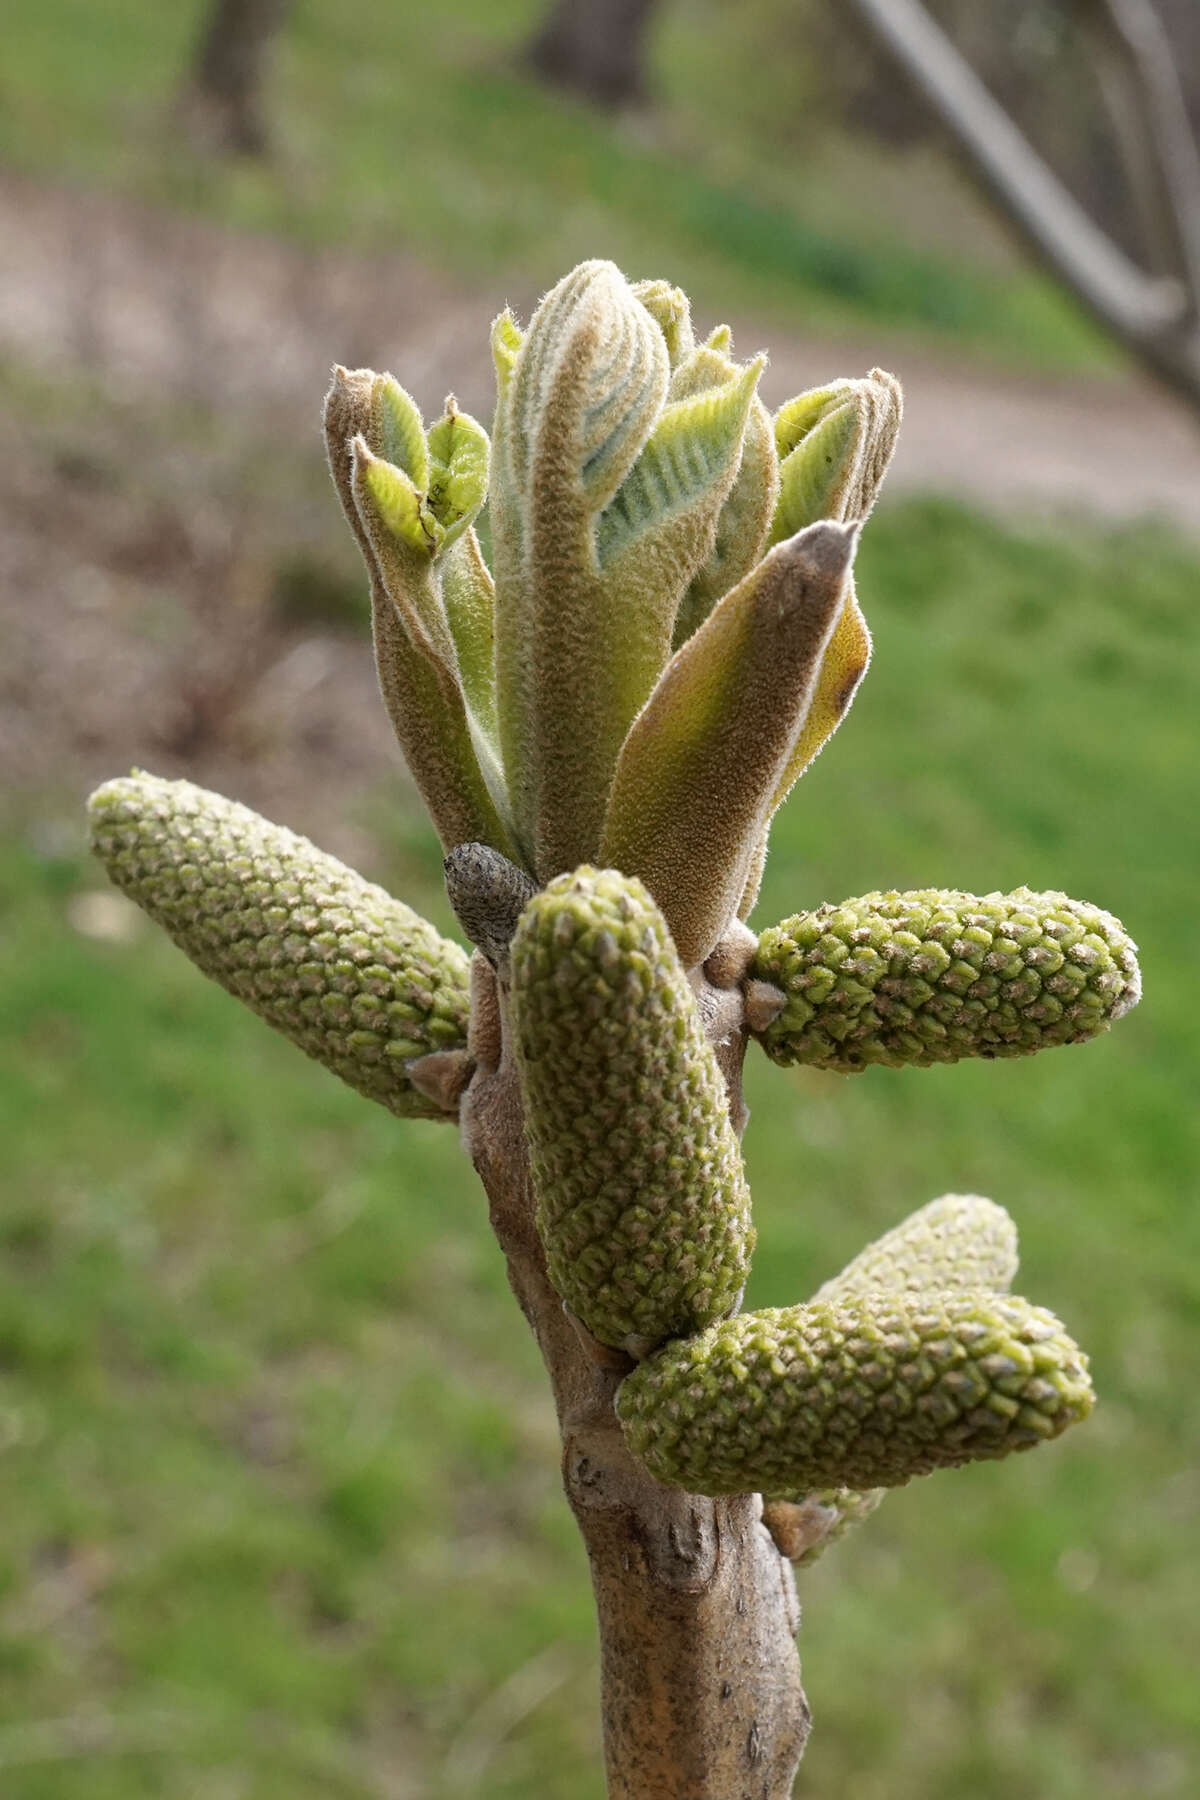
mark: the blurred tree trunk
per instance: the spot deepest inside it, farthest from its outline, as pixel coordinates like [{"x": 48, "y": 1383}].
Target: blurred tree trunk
[
  {"x": 596, "y": 48},
  {"x": 223, "y": 102},
  {"x": 1149, "y": 300}
]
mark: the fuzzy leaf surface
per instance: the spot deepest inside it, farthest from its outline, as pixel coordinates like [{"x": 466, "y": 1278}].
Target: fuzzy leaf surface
[
  {"x": 586, "y": 387},
  {"x": 700, "y": 766}
]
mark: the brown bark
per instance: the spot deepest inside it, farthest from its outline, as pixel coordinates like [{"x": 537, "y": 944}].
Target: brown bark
[
  {"x": 596, "y": 48},
  {"x": 223, "y": 102},
  {"x": 700, "y": 1679}
]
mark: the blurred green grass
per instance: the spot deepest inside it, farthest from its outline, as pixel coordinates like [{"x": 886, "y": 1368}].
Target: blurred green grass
[
  {"x": 402, "y": 127},
  {"x": 278, "y": 1472}
]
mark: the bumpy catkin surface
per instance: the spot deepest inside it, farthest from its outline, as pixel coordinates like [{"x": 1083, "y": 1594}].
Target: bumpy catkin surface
[
  {"x": 863, "y": 1394},
  {"x": 355, "y": 978},
  {"x": 642, "y": 1203},
  {"x": 932, "y": 976},
  {"x": 958, "y": 1241}
]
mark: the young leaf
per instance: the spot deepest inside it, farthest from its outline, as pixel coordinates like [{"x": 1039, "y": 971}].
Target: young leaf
[
  {"x": 395, "y": 525},
  {"x": 457, "y": 774},
  {"x": 449, "y": 756},
  {"x": 701, "y": 763},
  {"x": 397, "y": 433},
  {"x": 395, "y": 502},
  {"x": 469, "y": 596},
  {"x": 818, "y": 478},
  {"x": 664, "y": 514},
  {"x": 668, "y": 307},
  {"x": 586, "y": 386},
  {"x": 834, "y": 445},
  {"x": 745, "y": 517},
  {"x": 458, "y": 471},
  {"x": 507, "y": 338}
]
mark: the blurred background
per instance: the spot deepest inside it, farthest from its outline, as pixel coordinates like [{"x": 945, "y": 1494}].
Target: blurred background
[{"x": 279, "y": 1494}]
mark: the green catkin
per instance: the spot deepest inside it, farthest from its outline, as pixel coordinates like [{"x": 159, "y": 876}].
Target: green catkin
[
  {"x": 356, "y": 979},
  {"x": 863, "y": 1393},
  {"x": 958, "y": 1241},
  {"x": 642, "y": 1203},
  {"x": 929, "y": 977}
]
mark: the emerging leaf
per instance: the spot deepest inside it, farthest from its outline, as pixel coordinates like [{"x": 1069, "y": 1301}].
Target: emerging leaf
[
  {"x": 585, "y": 389},
  {"x": 458, "y": 471},
  {"x": 448, "y": 751},
  {"x": 668, "y": 307},
  {"x": 386, "y": 497},
  {"x": 397, "y": 433},
  {"x": 745, "y": 517},
  {"x": 834, "y": 446},
  {"x": 507, "y": 338},
  {"x": 702, "y": 762},
  {"x": 469, "y": 598}
]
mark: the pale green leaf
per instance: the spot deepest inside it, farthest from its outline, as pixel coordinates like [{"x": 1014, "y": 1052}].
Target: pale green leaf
[
  {"x": 816, "y": 479},
  {"x": 796, "y": 418},
  {"x": 458, "y": 471},
  {"x": 398, "y": 504},
  {"x": 507, "y": 338},
  {"x": 468, "y": 595},
  {"x": 397, "y": 433},
  {"x": 745, "y": 517},
  {"x": 834, "y": 446},
  {"x": 669, "y": 308},
  {"x": 690, "y": 457}
]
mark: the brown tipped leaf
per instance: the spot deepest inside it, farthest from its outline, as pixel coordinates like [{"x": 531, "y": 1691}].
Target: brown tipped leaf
[{"x": 699, "y": 769}]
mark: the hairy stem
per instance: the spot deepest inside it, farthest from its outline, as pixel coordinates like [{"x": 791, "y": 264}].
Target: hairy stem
[{"x": 701, "y": 1692}]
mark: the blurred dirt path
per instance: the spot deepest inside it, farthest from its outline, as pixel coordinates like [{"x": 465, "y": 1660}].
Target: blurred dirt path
[{"x": 153, "y": 301}]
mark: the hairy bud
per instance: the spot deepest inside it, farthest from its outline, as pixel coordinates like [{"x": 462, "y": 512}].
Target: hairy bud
[{"x": 488, "y": 894}]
